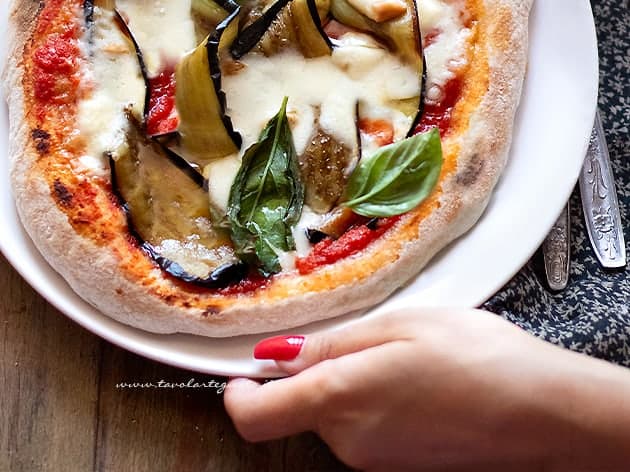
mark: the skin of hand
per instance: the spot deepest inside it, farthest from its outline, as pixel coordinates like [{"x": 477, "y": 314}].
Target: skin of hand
[{"x": 437, "y": 389}]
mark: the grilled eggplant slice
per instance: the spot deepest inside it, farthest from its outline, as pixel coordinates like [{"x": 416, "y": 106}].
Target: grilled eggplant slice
[
  {"x": 306, "y": 16},
  {"x": 323, "y": 168},
  {"x": 198, "y": 117},
  {"x": 325, "y": 165},
  {"x": 249, "y": 36},
  {"x": 167, "y": 209},
  {"x": 333, "y": 225},
  {"x": 122, "y": 24},
  {"x": 206, "y": 131},
  {"x": 208, "y": 15},
  {"x": 285, "y": 24},
  {"x": 401, "y": 35}
]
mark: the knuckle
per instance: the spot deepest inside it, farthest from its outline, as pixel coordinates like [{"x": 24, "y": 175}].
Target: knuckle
[
  {"x": 334, "y": 385},
  {"x": 324, "y": 349},
  {"x": 334, "y": 393}
]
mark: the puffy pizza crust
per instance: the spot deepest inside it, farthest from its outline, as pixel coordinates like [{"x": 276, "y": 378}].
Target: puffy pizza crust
[{"x": 141, "y": 296}]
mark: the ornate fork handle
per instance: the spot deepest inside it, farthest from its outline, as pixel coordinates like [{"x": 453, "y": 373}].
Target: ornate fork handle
[
  {"x": 599, "y": 202},
  {"x": 557, "y": 251}
]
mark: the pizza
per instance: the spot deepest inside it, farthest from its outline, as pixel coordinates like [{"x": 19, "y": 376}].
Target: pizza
[{"x": 223, "y": 168}]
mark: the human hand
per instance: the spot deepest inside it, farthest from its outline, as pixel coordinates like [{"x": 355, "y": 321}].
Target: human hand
[{"x": 425, "y": 389}]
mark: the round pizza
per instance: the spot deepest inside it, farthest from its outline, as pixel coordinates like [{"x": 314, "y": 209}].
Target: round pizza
[{"x": 224, "y": 167}]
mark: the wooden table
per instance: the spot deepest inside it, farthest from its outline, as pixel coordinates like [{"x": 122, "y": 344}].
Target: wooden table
[{"x": 61, "y": 411}]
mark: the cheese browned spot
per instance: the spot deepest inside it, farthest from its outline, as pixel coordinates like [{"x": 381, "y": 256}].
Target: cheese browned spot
[{"x": 380, "y": 10}]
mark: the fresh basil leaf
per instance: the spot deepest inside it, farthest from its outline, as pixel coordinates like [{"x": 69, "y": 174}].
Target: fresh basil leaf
[
  {"x": 266, "y": 197},
  {"x": 397, "y": 177}
]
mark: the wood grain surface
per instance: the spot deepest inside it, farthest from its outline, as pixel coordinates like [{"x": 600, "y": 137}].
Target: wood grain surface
[{"x": 61, "y": 408}]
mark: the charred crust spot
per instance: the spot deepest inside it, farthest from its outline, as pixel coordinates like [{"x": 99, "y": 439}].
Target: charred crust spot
[
  {"x": 471, "y": 172},
  {"x": 211, "y": 310},
  {"x": 42, "y": 141},
  {"x": 119, "y": 291},
  {"x": 81, "y": 220},
  {"x": 62, "y": 194}
]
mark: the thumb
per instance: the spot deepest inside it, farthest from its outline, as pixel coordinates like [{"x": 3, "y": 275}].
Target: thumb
[{"x": 295, "y": 353}]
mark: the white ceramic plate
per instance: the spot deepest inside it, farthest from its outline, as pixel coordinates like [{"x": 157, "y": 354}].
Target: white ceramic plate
[{"x": 552, "y": 127}]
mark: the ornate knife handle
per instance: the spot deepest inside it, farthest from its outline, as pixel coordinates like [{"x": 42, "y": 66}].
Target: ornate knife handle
[{"x": 599, "y": 202}]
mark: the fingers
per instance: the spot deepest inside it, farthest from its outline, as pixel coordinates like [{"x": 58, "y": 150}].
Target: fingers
[
  {"x": 292, "y": 405},
  {"x": 272, "y": 410},
  {"x": 296, "y": 353},
  {"x": 289, "y": 406}
]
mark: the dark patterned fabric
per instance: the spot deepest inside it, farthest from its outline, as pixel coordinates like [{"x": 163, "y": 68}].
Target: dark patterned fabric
[{"x": 592, "y": 314}]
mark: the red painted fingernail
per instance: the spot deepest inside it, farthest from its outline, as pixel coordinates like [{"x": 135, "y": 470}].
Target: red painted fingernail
[{"x": 279, "y": 348}]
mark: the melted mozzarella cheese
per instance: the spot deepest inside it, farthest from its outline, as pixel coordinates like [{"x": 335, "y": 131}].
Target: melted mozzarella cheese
[
  {"x": 430, "y": 14},
  {"x": 448, "y": 51},
  {"x": 196, "y": 257},
  {"x": 220, "y": 175},
  {"x": 286, "y": 260},
  {"x": 164, "y": 29},
  {"x": 117, "y": 85},
  {"x": 308, "y": 219},
  {"x": 332, "y": 85}
]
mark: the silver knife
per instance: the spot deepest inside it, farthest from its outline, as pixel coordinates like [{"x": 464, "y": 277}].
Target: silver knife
[
  {"x": 557, "y": 251},
  {"x": 599, "y": 202}
]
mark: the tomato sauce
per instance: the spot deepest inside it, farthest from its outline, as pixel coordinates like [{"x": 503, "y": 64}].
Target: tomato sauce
[
  {"x": 357, "y": 238},
  {"x": 381, "y": 131},
  {"x": 56, "y": 68},
  {"x": 56, "y": 60},
  {"x": 430, "y": 38},
  {"x": 439, "y": 115},
  {"x": 251, "y": 283},
  {"x": 162, "y": 117}
]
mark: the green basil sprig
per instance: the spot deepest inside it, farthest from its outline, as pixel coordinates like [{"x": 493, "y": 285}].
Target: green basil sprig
[
  {"x": 397, "y": 177},
  {"x": 266, "y": 197}
]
